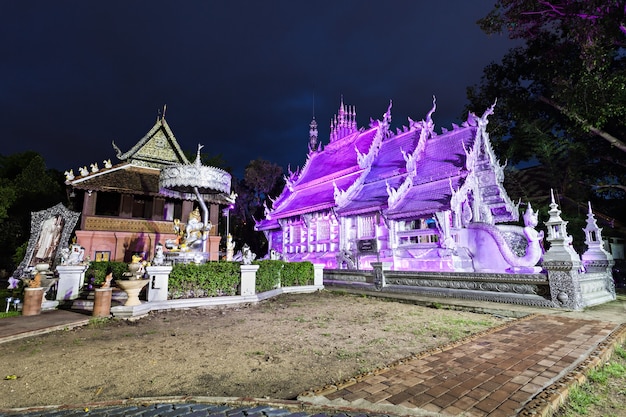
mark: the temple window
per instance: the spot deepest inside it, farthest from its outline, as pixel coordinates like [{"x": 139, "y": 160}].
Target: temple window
[
  {"x": 142, "y": 207},
  {"x": 108, "y": 204},
  {"x": 367, "y": 227},
  {"x": 323, "y": 230},
  {"x": 418, "y": 232},
  {"x": 102, "y": 256},
  {"x": 173, "y": 209},
  {"x": 296, "y": 234}
]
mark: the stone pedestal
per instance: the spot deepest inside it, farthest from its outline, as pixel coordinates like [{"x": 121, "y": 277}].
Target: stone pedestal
[
  {"x": 102, "y": 302},
  {"x": 248, "y": 279},
  {"x": 318, "y": 275},
  {"x": 563, "y": 276},
  {"x": 159, "y": 281},
  {"x": 71, "y": 280},
  {"x": 562, "y": 263}
]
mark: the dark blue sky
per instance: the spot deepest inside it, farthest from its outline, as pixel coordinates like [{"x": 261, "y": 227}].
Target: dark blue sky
[{"x": 240, "y": 77}]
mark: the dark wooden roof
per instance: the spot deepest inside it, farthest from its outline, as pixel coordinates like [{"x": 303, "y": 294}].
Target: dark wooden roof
[{"x": 126, "y": 178}]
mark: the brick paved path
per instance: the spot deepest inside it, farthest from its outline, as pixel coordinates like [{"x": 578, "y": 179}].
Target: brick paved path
[{"x": 492, "y": 375}]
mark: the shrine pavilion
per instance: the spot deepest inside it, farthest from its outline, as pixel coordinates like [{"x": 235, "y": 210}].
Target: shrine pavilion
[{"x": 126, "y": 211}]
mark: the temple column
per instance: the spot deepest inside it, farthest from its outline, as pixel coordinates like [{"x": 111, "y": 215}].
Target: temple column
[
  {"x": 89, "y": 206},
  {"x": 214, "y": 218}
]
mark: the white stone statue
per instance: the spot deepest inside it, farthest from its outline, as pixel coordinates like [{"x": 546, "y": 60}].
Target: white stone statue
[
  {"x": 159, "y": 258},
  {"x": 230, "y": 248},
  {"x": 94, "y": 167},
  {"x": 194, "y": 229},
  {"x": 107, "y": 163},
  {"x": 65, "y": 256},
  {"x": 191, "y": 236},
  {"x": 77, "y": 255},
  {"x": 69, "y": 175},
  {"x": 246, "y": 255},
  {"x": 83, "y": 171}
]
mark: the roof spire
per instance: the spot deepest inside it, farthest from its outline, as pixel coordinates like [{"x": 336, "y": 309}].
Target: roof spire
[
  {"x": 313, "y": 135},
  {"x": 313, "y": 131},
  {"x": 344, "y": 122}
]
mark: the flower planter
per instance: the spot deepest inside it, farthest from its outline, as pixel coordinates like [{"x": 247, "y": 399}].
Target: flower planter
[
  {"x": 33, "y": 298},
  {"x": 132, "y": 288}
]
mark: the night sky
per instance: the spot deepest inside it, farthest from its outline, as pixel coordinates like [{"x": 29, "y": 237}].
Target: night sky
[{"x": 244, "y": 78}]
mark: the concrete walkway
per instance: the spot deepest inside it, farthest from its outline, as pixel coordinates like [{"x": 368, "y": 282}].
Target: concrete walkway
[
  {"x": 522, "y": 368},
  {"x": 12, "y": 328}
]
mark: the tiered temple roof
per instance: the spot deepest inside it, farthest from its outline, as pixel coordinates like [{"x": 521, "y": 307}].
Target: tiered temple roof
[
  {"x": 412, "y": 173},
  {"x": 138, "y": 171}
]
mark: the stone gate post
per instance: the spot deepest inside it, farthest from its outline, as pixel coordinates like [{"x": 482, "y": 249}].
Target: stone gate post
[
  {"x": 71, "y": 280},
  {"x": 248, "y": 279},
  {"x": 379, "y": 274},
  {"x": 159, "y": 282},
  {"x": 318, "y": 275},
  {"x": 562, "y": 263},
  {"x": 563, "y": 276}
]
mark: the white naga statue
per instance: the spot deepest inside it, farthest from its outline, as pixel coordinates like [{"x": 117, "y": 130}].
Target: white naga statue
[{"x": 534, "y": 249}]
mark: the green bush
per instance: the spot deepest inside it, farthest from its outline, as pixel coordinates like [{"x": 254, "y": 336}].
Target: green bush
[
  {"x": 98, "y": 270},
  {"x": 205, "y": 280},
  {"x": 222, "y": 278},
  {"x": 271, "y": 274},
  {"x": 268, "y": 275},
  {"x": 297, "y": 273}
]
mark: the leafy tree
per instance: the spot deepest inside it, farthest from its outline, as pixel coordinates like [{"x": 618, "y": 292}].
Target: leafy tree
[
  {"x": 26, "y": 185},
  {"x": 7, "y": 197},
  {"x": 262, "y": 182},
  {"x": 561, "y": 95}
]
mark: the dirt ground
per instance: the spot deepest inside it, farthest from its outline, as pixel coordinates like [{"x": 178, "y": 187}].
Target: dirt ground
[{"x": 276, "y": 349}]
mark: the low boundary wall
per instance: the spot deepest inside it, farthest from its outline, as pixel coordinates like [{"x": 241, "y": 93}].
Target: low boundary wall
[{"x": 523, "y": 289}]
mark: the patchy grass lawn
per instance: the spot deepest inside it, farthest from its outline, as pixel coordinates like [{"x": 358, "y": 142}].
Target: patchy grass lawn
[{"x": 604, "y": 393}]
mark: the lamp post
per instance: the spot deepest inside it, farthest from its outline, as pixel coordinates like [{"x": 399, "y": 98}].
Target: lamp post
[
  {"x": 226, "y": 213},
  {"x": 229, "y": 245}
]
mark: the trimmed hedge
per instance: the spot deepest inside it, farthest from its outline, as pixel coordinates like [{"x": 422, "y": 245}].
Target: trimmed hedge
[
  {"x": 274, "y": 274},
  {"x": 98, "y": 270},
  {"x": 205, "y": 280},
  {"x": 269, "y": 274},
  {"x": 297, "y": 273}
]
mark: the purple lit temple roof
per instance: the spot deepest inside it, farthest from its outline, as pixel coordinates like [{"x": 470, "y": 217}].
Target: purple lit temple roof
[
  {"x": 388, "y": 167},
  {"x": 313, "y": 189},
  {"x": 441, "y": 167},
  {"x": 314, "y": 197},
  {"x": 337, "y": 158},
  {"x": 413, "y": 172}
]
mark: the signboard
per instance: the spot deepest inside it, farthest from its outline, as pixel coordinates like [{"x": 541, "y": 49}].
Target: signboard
[{"x": 367, "y": 246}]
